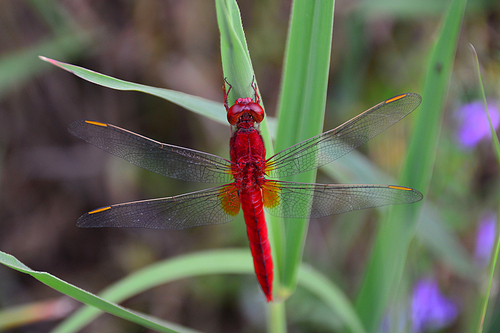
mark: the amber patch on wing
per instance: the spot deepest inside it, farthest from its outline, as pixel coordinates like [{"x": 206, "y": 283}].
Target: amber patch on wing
[
  {"x": 229, "y": 199},
  {"x": 269, "y": 167},
  {"x": 270, "y": 195}
]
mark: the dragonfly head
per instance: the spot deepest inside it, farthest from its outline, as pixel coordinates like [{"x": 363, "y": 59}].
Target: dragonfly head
[{"x": 245, "y": 106}]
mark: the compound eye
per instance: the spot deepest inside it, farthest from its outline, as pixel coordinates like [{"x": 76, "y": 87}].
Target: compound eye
[
  {"x": 234, "y": 113},
  {"x": 242, "y": 106},
  {"x": 256, "y": 111}
]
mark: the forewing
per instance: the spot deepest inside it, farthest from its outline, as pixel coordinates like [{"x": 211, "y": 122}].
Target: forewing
[
  {"x": 164, "y": 159},
  {"x": 300, "y": 200},
  {"x": 329, "y": 146},
  {"x": 212, "y": 206}
]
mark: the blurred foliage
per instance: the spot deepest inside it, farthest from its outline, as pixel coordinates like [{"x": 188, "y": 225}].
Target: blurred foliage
[{"x": 49, "y": 178}]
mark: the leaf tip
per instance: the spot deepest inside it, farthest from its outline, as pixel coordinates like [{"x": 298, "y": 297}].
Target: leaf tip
[
  {"x": 52, "y": 61},
  {"x": 55, "y": 63}
]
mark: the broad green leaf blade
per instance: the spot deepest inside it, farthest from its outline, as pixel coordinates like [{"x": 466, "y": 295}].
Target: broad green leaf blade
[
  {"x": 86, "y": 297},
  {"x": 301, "y": 108},
  {"x": 387, "y": 262},
  {"x": 202, "y": 106},
  {"x": 332, "y": 296},
  {"x": 236, "y": 62}
]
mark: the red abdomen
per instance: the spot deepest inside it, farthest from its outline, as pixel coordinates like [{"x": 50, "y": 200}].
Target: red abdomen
[
  {"x": 248, "y": 157},
  {"x": 251, "y": 204}
]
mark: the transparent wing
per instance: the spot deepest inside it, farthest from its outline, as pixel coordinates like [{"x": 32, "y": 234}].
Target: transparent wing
[
  {"x": 164, "y": 159},
  {"x": 329, "y": 146},
  {"x": 212, "y": 206},
  {"x": 301, "y": 200}
]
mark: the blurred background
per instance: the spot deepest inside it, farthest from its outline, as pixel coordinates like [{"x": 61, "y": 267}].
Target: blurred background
[{"x": 49, "y": 178}]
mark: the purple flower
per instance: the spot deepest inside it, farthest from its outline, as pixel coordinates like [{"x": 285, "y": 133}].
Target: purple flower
[
  {"x": 431, "y": 310},
  {"x": 474, "y": 125},
  {"x": 486, "y": 235}
]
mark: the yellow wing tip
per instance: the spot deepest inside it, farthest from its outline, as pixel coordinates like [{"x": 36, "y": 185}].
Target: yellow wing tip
[
  {"x": 395, "y": 98},
  {"x": 96, "y": 123},
  {"x": 98, "y": 210},
  {"x": 400, "y": 188}
]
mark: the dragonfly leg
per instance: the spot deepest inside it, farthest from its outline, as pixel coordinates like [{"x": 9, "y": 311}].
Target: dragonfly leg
[
  {"x": 226, "y": 93},
  {"x": 254, "y": 86}
]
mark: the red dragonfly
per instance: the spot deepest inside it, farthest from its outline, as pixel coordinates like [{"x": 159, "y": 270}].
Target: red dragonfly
[{"x": 245, "y": 176}]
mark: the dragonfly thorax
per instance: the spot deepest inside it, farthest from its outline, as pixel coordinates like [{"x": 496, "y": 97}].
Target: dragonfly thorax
[
  {"x": 248, "y": 155},
  {"x": 249, "y": 174}
]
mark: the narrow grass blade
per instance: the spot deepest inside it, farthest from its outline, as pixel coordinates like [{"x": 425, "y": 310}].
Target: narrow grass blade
[
  {"x": 202, "y": 106},
  {"x": 228, "y": 261},
  {"x": 485, "y": 295},
  {"x": 478, "y": 322},
  {"x": 86, "y": 297},
  {"x": 387, "y": 262},
  {"x": 302, "y": 106},
  {"x": 494, "y": 137}
]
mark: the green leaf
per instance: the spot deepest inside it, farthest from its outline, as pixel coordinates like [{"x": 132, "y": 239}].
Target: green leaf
[
  {"x": 484, "y": 296},
  {"x": 393, "y": 238},
  {"x": 301, "y": 109},
  {"x": 88, "y": 298},
  {"x": 494, "y": 137},
  {"x": 202, "y": 106},
  {"x": 230, "y": 261},
  {"x": 236, "y": 62}
]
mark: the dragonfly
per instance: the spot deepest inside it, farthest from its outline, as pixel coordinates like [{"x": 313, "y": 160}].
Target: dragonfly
[{"x": 247, "y": 177}]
